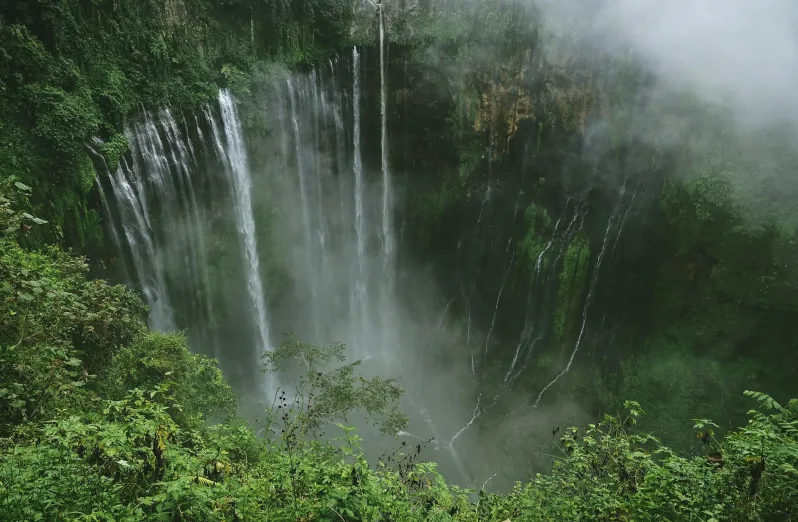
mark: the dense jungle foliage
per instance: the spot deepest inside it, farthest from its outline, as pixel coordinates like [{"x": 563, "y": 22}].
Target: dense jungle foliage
[{"x": 101, "y": 419}]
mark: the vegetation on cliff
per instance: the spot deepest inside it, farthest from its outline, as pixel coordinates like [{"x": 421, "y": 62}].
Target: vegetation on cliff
[{"x": 72, "y": 71}]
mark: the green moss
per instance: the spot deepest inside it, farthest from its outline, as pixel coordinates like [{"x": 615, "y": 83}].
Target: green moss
[
  {"x": 537, "y": 217},
  {"x": 537, "y": 235},
  {"x": 470, "y": 159},
  {"x": 77, "y": 223},
  {"x": 532, "y": 246},
  {"x": 571, "y": 284},
  {"x": 85, "y": 175},
  {"x": 428, "y": 209},
  {"x": 63, "y": 203},
  {"x": 92, "y": 228},
  {"x": 113, "y": 150},
  {"x": 63, "y": 119},
  {"x": 539, "y": 137}
]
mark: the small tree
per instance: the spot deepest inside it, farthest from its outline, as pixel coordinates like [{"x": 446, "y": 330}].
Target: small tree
[{"x": 328, "y": 390}]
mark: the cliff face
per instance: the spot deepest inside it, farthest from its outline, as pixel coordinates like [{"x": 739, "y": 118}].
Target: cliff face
[
  {"x": 559, "y": 191},
  {"x": 563, "y": 204}
]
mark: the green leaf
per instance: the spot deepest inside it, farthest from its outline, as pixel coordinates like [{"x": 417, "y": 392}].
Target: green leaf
[{"x": 22, "y": 186}]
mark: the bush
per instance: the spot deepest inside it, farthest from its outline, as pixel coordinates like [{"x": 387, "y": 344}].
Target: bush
[{"x": 195, "y": 381}]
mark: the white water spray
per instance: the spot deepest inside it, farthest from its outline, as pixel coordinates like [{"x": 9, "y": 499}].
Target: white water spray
[
  {"x": 360, "y": 229},
  {"x": 303, "y": 193},
  {"x": 387, "y": 197}
]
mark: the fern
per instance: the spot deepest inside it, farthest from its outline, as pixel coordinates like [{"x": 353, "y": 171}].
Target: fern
[
  {"x": 791, "y": 428},
  {"x": 765, "y": 400}
]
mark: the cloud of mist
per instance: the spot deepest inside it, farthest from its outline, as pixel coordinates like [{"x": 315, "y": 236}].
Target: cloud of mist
[{"x": 739, "y": 53}]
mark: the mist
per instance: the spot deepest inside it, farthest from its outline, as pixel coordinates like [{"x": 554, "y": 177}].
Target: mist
[
  {"x": 743, "y": 55},
  {"x": 326, "y": 195},
  {"x": 332, "y": 264}
]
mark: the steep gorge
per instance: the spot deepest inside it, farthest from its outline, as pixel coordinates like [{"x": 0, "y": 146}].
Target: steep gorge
[{"x": 494, "y": 219}]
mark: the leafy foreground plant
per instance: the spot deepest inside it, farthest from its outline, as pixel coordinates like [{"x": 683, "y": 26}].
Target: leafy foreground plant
[
  {"x": 131, "y": 461},
  {"x": 328, "y": 389}
]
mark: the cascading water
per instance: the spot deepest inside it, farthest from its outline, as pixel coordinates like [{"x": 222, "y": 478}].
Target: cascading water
[
  {"x": 199, "y": 261},
  {"x": 359, "y": 289},
  {"x": 344, "y": 191},
  {"x": 388, "y": 242},
  {"x": 238, "y": 170},
  {"x": 524, "y": 343},
  {"x": 159, "y": 196},
  {"x": 177, "y": 206},
  {"x": 322, "y": 169},
  {"x": 537, "y": 316},
  {"x": 498, "y": 301},
  {"x": 112, "y": 225},
  {"x": 305, "y": 201},
  {"x": 129, "y": 186},
  {"x": 588, "y": 299}
]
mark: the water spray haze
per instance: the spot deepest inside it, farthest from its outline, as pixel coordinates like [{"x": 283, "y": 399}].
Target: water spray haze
[{"x": 742, "y": 55}]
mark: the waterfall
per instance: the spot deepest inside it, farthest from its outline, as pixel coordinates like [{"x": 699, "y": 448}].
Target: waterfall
[
  {"x": 199, "y": 260},
  {"x": 305, "y": 199},
  {"x": 164, "y": 206},
  {"x": 338, "y": 216},
  {"x": 320, "y": 118},
  {"x": 333, "y": 211},
  {"x": 185, "y": 209},
  {"x": 596, "y": 270},
  {"x": 340, "y": 157},
  {"x": 129, "y": 187},
  {"x": 387, "y": 197},
  {"x": 536, "y": 320},
  {"x": 360, "y": 232},
  {"x": 528, "y": 330},
  {"x": 496, "y": 308},
  {"x": 115, "y": 236},
  {"x": 238, "y": 172},
  {"x": 388, "y": 331}
]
